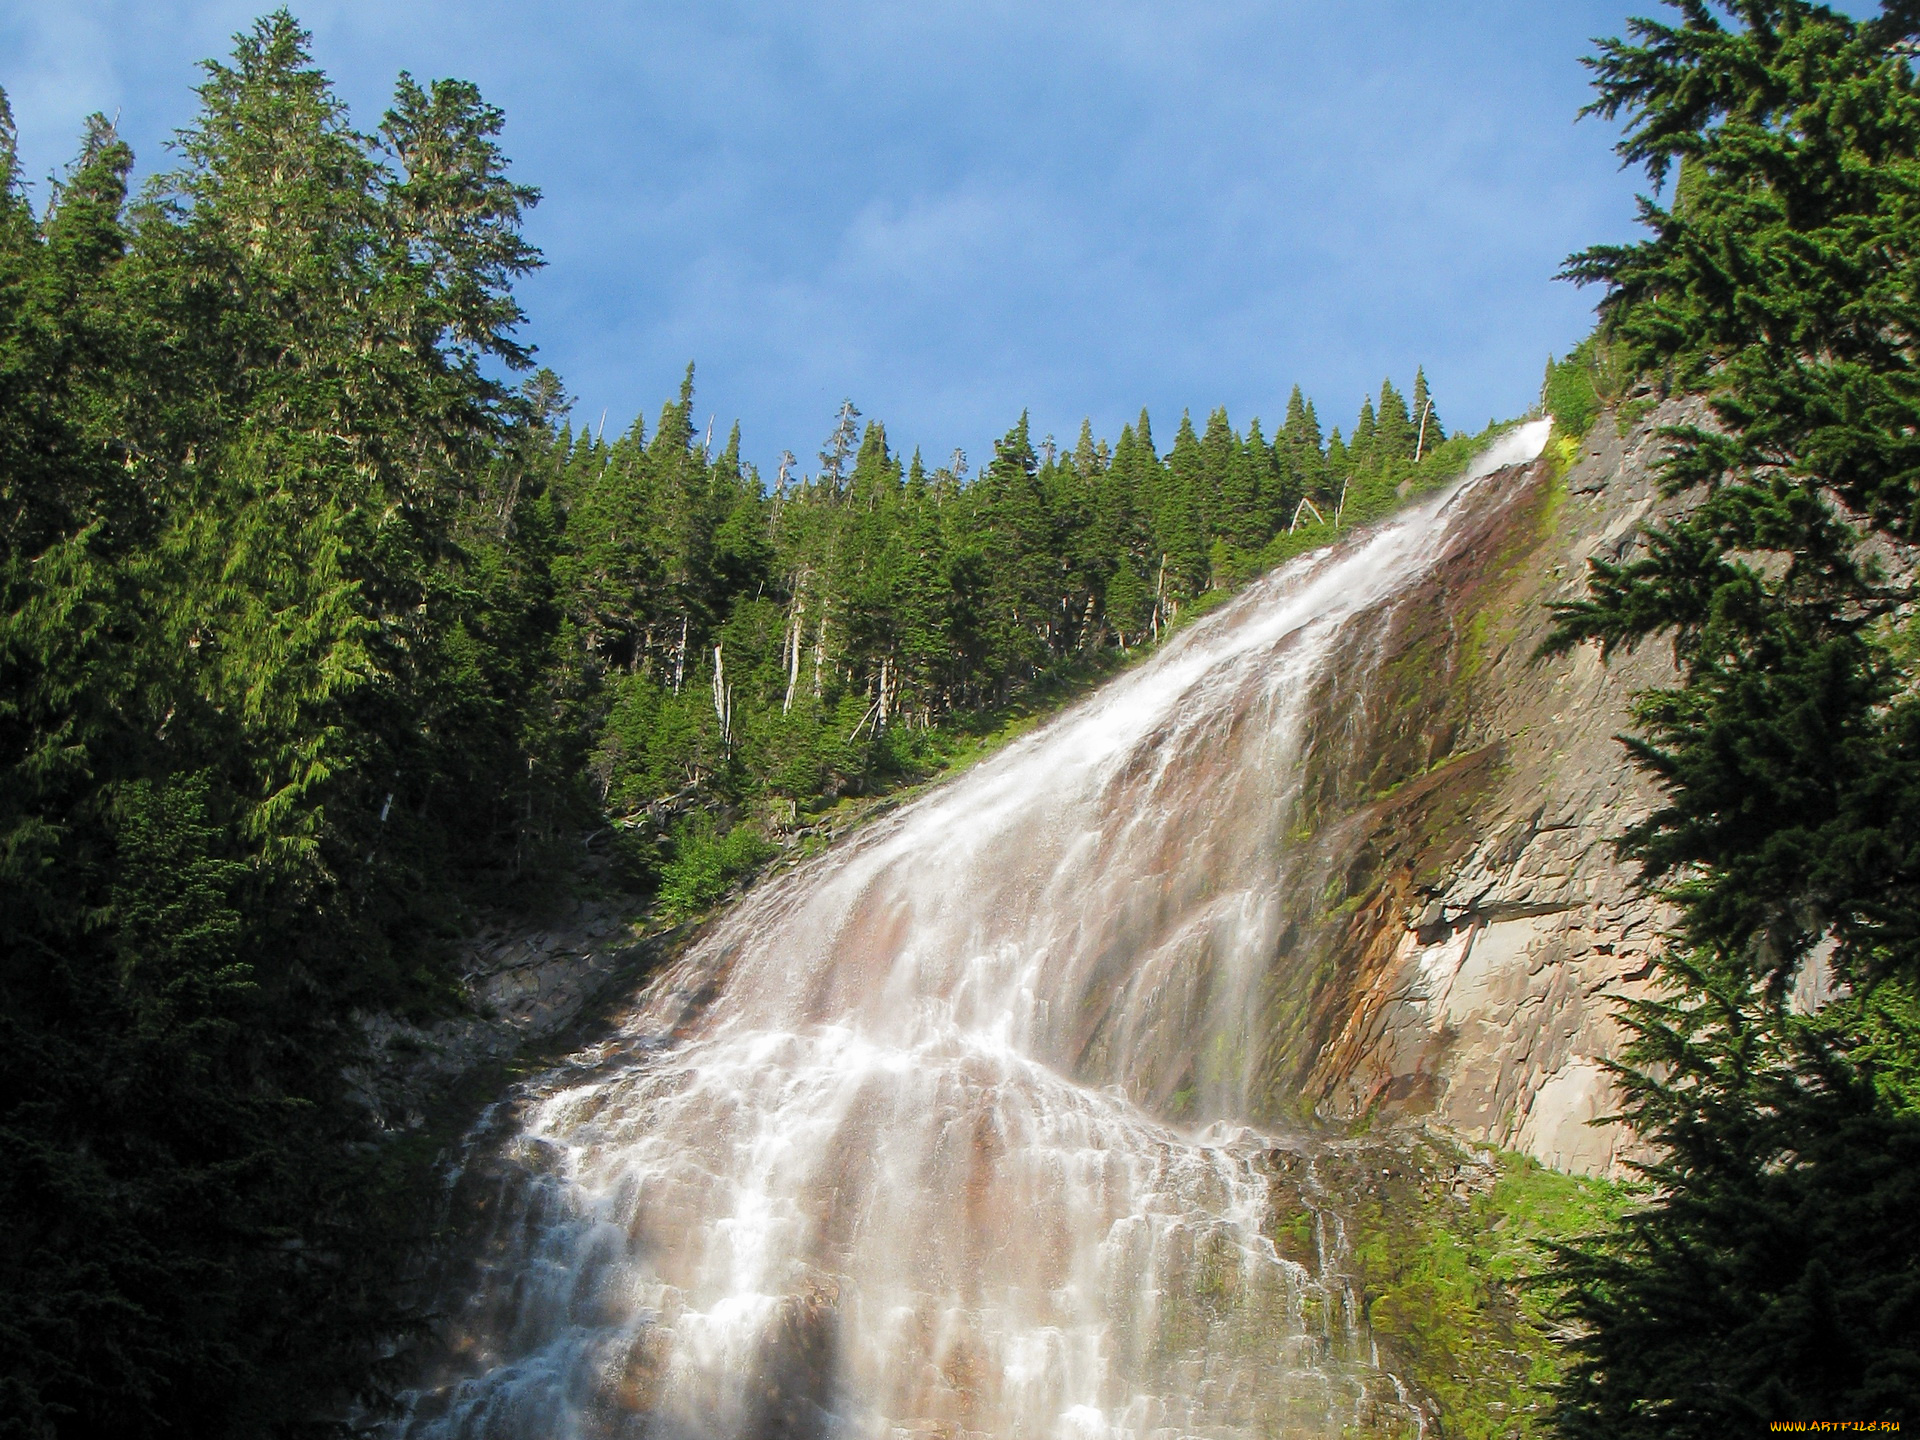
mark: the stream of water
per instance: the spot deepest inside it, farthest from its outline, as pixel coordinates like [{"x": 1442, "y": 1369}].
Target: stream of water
[{"x": 937, "y": 1133}]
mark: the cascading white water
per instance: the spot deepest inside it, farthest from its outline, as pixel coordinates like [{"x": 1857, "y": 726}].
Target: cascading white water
[{"x": 879, "y": 1157}]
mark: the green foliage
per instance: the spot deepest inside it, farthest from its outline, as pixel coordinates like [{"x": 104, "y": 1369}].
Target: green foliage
[
  {"x": 273, "y": 690},
  {"x": 1773, "y": 1277},
  {"x": 1444, "y": 1267},
  {"x": 705, "y": 866},
  {"x": 1570, "y": 395},
  {"x": 776, "y": 652},
  {"x": 1793, "y": 717}
]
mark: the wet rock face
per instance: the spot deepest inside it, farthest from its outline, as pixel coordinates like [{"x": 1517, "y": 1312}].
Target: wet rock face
[{"x": 1470, "y": 791}]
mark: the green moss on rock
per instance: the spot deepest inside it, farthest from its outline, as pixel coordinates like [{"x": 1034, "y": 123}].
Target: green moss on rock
[{"x": 1442, "y": 1242}]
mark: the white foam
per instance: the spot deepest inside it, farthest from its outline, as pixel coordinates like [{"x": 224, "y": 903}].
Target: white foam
[{"x": 1519, "y": 446}]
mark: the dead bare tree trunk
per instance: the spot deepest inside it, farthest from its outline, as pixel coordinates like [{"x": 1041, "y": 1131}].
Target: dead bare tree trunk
[
  {"x": 722, "y": 699},
  {"x": 793, "y": 648}
]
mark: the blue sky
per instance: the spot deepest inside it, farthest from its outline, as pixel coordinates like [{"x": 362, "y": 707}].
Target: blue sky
[{"x": 951, "y": 212}]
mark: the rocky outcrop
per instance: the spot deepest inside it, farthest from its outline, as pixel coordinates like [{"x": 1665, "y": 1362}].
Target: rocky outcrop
[
  {"x": 522, "y": 984},
  {"x": 1472, "y": 790}
]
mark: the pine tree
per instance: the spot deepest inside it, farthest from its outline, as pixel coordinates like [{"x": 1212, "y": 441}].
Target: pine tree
[
  {"x": 1181, "y": 513},
  {"x": 1087, "y": 458},
  {"x": 1302, "y": 429},
  {"x": 1394, "y": 434},
  {"x": 1274, "y": 495},
  {"x": 1303, "y": 451},
  {"x": 1361, "y": 448},
  {"x": 1118, "y": 536},
  {"x": 841, "y": 445}
]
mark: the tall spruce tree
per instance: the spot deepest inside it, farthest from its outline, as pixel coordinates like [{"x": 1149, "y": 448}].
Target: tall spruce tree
[
  {"x": 253, "y": 431},
  {"x": 1394, "y": 438}
]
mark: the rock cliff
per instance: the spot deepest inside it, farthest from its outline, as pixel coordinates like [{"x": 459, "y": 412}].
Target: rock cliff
[
  {"x": 523, "y": 983},
  {"x": 1474, "y": 925}
]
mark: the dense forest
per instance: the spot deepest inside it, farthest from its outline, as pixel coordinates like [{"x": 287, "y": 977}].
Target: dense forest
[
  {"x": 758, "y": 649},
  {"x": 318, "y": 632}
]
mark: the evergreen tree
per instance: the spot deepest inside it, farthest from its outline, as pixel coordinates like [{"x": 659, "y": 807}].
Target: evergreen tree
[
  {"x": 1428, "y": 431},
  {"x": 841, "y": 445},
  {"x": 1302, "y": 429},
  {"x": 1361, "y": 447},
  {"x": 1018, "y": 533},
  {"x": 1181, "y": 512},
  {"x": 1087, "y": 456},
  {"x": 1120, "y": 538},
  {"x": 1274, "y": 492},
  {"x": 1773, "y": 1276},
  {"x": 1340, "y": 462},
  {"x": 1394, "y": 434},
  {"x": 1303, "y": 451}
]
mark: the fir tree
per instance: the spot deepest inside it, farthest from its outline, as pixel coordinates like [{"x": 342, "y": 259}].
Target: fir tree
[
  {"x": 1361, "y": 447},
  {"x": 1394, "y": 433},
  {"x": 1181, "y": 513},
  {"x": 1773, "y": 1276}
]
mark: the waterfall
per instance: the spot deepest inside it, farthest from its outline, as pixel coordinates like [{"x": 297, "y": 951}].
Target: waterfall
[{"x": 942, "y": 1133}]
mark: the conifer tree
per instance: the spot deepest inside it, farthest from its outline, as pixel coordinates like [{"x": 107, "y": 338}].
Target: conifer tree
[
  {"x": 1274, "y": 495},
  {"x": 1394, "y": 433},
  {"x": 1361, "y": 447},
  {"x": 1428, "y": 431},
  {"x": 1018, "y": 532},
  {"x": 841, "y": 445},
  {"x": 1181, "y": 514},
  {"x": 1302, "y": 428},
  {"x": 252, "y": 451},
  {"x": 1087, "y": 458},
  {"x": 1773, "y": 1276},
  {"x": 1339, "y": 463},
  {"x": 1120, "y": 538},
  {"x": 1302, "y": 449}
]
